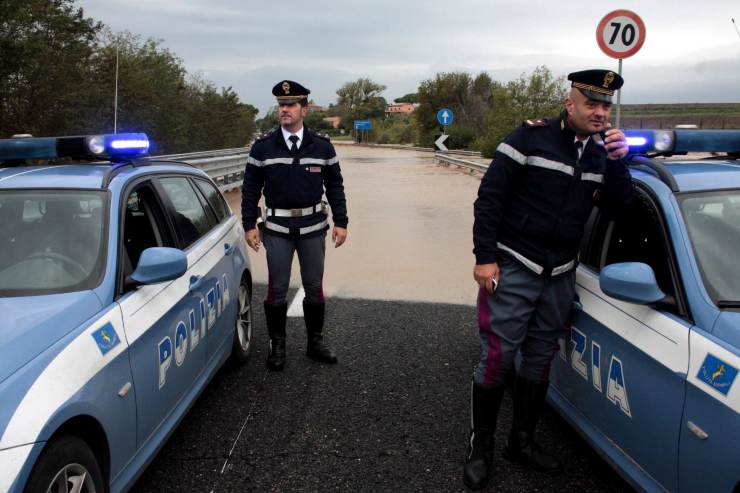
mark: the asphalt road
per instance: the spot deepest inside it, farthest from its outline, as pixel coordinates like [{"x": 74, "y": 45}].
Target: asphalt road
[{"x": 391, "y": 416}]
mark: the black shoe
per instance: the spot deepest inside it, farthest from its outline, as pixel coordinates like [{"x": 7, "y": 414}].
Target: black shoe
[
  {"x": 276, "y": 316},
  {"x": 485, "y": 403},
  {"x": 529, "y": 400},
  {"x": 316, "y": 349}
]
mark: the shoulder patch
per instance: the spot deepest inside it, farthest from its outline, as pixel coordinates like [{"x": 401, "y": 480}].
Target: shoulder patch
[
  {"x": 267, "y": 135},
  {"x": 536, "y": 122},
  {"x": 318, "y": 136}
]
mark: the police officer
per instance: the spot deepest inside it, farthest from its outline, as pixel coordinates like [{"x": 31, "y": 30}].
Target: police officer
[
  {"x": 293, "y": 167},
  {"x": 530, "y": 212}
]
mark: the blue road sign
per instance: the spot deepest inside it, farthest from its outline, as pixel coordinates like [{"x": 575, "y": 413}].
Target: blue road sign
[
  {"x": 363, "y": 124},
  {"x": 444, "y": 116}
]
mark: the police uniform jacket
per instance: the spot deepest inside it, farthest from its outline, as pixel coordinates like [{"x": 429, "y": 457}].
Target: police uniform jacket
[
  {"x": 293, "y": 182},
  {"x": 537, "y": 195}
]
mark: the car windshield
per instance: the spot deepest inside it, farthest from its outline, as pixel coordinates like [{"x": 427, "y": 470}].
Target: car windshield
[
  {"x": 713, "y": 221},
  {"x": 51, "y": 241}
]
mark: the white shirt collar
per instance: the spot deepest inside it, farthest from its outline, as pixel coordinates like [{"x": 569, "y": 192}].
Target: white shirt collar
[
  {"x": 585, "y": 142},
  {"x": 287, "y": 134}
]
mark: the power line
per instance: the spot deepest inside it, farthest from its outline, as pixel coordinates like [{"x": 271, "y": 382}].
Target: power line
[{"x": 734, "y": 24}]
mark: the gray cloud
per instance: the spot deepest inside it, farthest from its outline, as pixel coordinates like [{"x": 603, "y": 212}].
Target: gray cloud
[{"x": 691, "y": 53}]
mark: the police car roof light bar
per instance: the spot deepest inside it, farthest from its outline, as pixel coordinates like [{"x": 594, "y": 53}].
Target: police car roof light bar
[
  {"x": 115, "y": 147},
  {"x": 681, "y": 141}
]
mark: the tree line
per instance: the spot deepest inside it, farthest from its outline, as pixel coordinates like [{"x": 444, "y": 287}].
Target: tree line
[
  {"x": 485, "y": 110},
  {"x": 57, "y": 77}
]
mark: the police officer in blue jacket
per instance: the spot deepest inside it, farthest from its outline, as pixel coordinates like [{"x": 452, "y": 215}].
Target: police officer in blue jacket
[
  {"x": 532, "y": 205},
  {"x": 294, "y": 167}
]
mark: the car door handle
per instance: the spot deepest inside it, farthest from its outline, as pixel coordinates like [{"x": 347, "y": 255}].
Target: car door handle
[
  {"x": 195, "y": 282},
  {"x": 229, "y": 249}
]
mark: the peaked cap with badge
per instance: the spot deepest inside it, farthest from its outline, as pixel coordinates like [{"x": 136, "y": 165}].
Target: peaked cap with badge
[
  {"x": 289, "y": 92},
  {"x": 596, "y": 84}
]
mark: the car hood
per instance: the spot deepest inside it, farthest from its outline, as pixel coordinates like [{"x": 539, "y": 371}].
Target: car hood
[{"x": 31, "y": 324}]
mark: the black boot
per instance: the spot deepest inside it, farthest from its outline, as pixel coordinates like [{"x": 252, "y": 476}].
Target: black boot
[
  {"x": 529, "y": 400},
  {"x": 313, "y": 315},
  {"x": 484, "y": 406},
  {"x": 275, "y": 315}
]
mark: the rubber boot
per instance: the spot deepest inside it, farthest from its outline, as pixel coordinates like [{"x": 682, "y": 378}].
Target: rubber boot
[
  {"x": 485, "y": 401},
  {"x": 529, "y": 400},
  {"x": 275, "y": 316},
  {"x": 313, "y": 315}
]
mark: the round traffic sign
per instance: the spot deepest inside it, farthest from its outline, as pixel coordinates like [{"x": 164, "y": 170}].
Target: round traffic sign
[
  {"x": 620, "y": 34},
  {"x": 445, "y": 116}
]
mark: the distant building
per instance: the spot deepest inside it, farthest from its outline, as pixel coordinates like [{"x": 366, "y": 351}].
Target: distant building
[
  {"x": 400, "y": 108},
  {"x": 316, "y": 107},
  {"x": 334, "y": 121}
]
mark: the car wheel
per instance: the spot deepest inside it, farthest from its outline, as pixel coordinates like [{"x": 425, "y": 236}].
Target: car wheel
[
  {"x": 243, "y": 331},
  {"x": 66, "y": 465}
]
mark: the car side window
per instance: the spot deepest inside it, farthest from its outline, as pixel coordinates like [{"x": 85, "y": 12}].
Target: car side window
[
  {"x": 638, "y": 236},
  {"x": 142, "y": 226},
  {"x": 189, "y": 217},
  {"x": 215, "y": 199}
]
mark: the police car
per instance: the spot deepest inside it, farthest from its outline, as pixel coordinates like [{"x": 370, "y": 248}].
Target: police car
[
  {"x": 649, "y": 372},
  {"x": 124, "y": 286}
]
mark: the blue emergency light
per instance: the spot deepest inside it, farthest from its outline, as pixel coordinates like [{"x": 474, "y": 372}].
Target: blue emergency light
[
  {"x": 115, "y": 147},
  {"x": 681, "y": 141}
]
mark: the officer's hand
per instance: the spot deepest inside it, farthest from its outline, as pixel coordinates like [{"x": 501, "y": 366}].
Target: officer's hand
[
  {"x": 253, "y": 239},
  {"x": 483, "y": 273},
  {"x": 338, "y": 235},
  {"x": 616, "y": 144}
]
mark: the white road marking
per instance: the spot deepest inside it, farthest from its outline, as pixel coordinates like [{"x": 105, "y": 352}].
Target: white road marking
[{"x": 296, "y": 306}]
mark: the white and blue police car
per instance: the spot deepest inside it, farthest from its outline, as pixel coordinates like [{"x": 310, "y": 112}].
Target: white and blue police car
[
  {"x": 124, "y": 286},
  {"x": 649, "y": 374}
]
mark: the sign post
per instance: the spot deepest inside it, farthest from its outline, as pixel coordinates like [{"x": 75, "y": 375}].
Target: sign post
[
  {"x": 365, "y": 125},
  {"x": 444, "y": 118},
  {"x": 620, "y": 34}
]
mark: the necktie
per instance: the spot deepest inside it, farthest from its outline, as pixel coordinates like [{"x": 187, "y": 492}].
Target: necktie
[
  {"x": 294, "y": 147},
  {"x": 579, "y": 148}
]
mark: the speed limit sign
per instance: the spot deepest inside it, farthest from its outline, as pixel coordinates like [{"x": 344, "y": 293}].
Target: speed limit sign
[{"x": 620, "y": 34}]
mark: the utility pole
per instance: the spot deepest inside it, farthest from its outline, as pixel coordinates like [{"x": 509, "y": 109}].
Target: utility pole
[{"x": 115, "y": 98}]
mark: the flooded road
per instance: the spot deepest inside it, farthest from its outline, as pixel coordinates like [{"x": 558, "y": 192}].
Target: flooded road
[{"x": 410, "y": 230}]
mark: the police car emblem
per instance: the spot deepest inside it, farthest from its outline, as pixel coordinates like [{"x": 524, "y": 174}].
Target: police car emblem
[
  {"x": 717, "y": 374},
  {"x": 106, "y": 338}
]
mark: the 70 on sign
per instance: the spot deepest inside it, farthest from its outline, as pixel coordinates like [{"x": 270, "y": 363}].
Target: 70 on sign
[{"x": 620, "y": 34}]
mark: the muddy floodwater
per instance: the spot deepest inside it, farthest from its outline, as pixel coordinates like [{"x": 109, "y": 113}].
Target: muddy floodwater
[{"x": 410, "y": 230}]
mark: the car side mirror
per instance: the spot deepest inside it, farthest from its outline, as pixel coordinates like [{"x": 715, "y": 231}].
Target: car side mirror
[
  {"x": 158, "y": 264},
  {"x": 633, "y": 282}
]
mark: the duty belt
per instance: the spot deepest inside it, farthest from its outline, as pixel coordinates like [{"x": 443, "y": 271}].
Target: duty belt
[
  {"x": 534, "y": 266},
  {"x": 306, "y": 211}
]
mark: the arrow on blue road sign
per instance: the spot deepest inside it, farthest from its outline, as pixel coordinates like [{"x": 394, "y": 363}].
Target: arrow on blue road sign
[{"x": 445, "y": 116}]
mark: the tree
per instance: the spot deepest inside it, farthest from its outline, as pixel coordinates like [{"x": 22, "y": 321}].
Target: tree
[
  {"x": 360, "y": 100},
  {"x": 538, "y": 95},
  {"x": 46, "y": 47},
  {"x": 412, "y": 97}
]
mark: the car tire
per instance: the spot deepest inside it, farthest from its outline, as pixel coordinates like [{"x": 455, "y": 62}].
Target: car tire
[
  {"x": 242, "y": 346},
  {"x": 66, "y": 463}
]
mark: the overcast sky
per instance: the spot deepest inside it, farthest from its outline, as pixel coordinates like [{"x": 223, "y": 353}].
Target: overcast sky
[{"x": 691, "y": 51}]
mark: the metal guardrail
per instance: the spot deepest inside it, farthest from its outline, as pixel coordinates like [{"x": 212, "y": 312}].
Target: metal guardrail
[
  {"x": 445, "y": 159},
  {"x": 224, "y": 166}
]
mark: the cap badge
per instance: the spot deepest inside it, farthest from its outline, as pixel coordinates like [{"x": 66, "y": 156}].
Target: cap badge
[
  {"x": 286, "y": 87},
  {"x": 608, "y": 79}
]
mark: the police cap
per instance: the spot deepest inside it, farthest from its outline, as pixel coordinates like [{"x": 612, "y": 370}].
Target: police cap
[
  {"x": 596, "y": 84},
  {"x": 289, "y": 92}
]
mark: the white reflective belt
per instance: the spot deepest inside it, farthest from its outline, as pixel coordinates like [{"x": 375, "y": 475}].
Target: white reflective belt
[
  {"x": 597, "y": 177},
  {"x": 507, "y": 150},
  {"x": 307, "y": 211},
  {"x": 553, "y": 165},
  {"x": 315, "y": 227},
  {"x": 301, "y": 231},
  {"x": 533, "y": 266},
  {"x": 320, "y": 162}
]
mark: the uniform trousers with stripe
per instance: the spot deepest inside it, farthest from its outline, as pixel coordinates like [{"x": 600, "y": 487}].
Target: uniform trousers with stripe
[
  {"x": 280, "y": 251},
  {"x": 527, "y": 312}
]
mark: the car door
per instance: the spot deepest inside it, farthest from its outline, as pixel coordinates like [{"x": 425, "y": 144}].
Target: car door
[
  {"x": 624, "y": 365},
  {"x": 161, "y": 321},
  {"x": 209, "y": 249}
]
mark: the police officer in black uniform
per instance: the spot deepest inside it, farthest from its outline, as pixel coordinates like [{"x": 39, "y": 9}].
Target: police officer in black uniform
[
  {"x": 293, "y": 167},
  {"x": 530, "y": 212}
]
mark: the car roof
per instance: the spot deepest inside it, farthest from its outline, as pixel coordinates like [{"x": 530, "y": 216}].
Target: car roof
[
  {"x": 81, "y": 175},
  {"x": 710, "y": 174}
]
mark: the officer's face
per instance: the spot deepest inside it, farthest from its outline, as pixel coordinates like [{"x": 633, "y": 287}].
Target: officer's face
[
  {"x": 586, "y": 116},
  {"x": 291, "y": 115}
]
